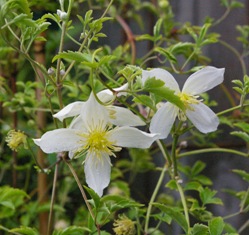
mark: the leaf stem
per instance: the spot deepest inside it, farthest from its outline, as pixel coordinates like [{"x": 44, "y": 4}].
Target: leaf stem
[
  {"x": 153, "y": 197},
  {"x": 80, "y": 187},
  {"x": 210, "y": 150},
  {"x": 184, "y": 204}
]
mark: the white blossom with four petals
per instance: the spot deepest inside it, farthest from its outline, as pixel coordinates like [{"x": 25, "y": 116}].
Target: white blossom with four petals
[
  {"x": 202, "y": 117},
  {"x": 92, "y": 133}
]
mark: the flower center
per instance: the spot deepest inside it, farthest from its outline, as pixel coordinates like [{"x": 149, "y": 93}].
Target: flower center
[
  {"x": 97, "y": 142},
  {"x": 187, "y": 100}
]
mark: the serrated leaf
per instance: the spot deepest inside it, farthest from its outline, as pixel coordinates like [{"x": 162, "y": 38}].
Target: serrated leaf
[
  {"x": 207, "y": 197},
  {"x": 157, "y": 87},
  {"x": 175, "y": 213},
  {"x": 145, "y": 100},
  {"x": 153, "y": 83},
  {"x": 199, "y": 229},
  {"x": 216, "y": 226}
]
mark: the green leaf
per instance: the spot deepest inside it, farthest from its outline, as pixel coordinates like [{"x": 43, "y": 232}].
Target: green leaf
[
  {"x": 157, "y": 87},
  {"x": 237, "y": 82},
  {"x": 24, "y": 230},
  {"x": 145, "y": 100},
  {"x": 193, "y": 185},
  {"x": 203, "y": 33},
  {"x": 239, "y": 90},
  {"x": 243, "y": 126},
  {"x": 207, "y": 197},
  {"x": 163, "y": 217},
  {"x": 199, "y": 229},
  {"x": 198, "y": 167},
  {"x": 72, "y": 230},
  {"x": 73, "y": 55},
  {"x": 167, "y": 53},
  {"x": 243, "y": 174},
  {"x": 216, "y": 226},
  {"x": 175, "y": 213},
  {"x": 117, "y": 202},
  {"x": 94, "y": 196},
  {"x": 171, "y": 185},
  {"x": 241, "y": 135},
  {"x": 157, "y": 27},
  {"x": 10, "y": 199}
]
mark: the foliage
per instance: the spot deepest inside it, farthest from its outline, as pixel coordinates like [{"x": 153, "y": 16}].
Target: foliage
[{"x": 53, "y": 54}]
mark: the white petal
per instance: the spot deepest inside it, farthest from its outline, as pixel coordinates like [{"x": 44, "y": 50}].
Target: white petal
[
  {"x": 131, "y": 137},
  {"x": 203, "y": 80},
  {"x": 59, "y": 140},
  {"x": 93, "y": 113},
  {"x": 107, "y": 95},
  {"x": 203, "y": 118},
  {"x": 162, "y": 75},
  {"x": 78, "y": 124},
  {"x": 164, "y": 119},
  {"x": 124, "y": 117},
  {"x": 98, "y": 172},
  {"x": 70, "y": 110}
]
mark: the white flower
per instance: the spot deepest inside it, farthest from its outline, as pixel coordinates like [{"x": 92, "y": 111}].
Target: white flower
[
  {"x": 92, "y": 134},
  {"x": 119, "y": 116},
  {"x": 202, "y": 117}
]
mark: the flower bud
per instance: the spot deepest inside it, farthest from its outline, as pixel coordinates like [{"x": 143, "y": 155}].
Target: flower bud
[
  {"x": 163, "y": 3},
  {"x": 62, "y": 72},
  {"x": 62, "y": 15},
  {"x": 50, "y": 71}
]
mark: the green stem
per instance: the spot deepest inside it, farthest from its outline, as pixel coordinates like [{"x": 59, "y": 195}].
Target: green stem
[
  {"x": 231, "y": 109},
  {"x": 238, "y": 55},
  {"x": 164, "y": 152},
  {"x": 84, "y": 43},
  {"x": 52, "y": 198},
  {"x": 189, "y": 58},
  {"x": 173, "y": 155},
  {"x": 81, "y": 188},
  {"x": 153, "y": 197},
  {"x": 210, "y": 150},
  {"x": 34, "y": 158},
  {"x": 184, "y": 204}
]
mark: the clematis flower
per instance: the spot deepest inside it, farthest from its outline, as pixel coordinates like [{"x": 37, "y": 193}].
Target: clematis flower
[
  {"x": 202, "y": 117},
  {"x": 119, "y": 116},
  {"x": 91, "y": 133}
]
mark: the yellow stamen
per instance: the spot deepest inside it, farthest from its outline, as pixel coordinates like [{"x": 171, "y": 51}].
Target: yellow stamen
[
  {"x": 187, "y": 99},
  {"x": 15, "y": 139},
  {"x": 124, "y": 226},
  {"x": 97, "y": 142}
]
